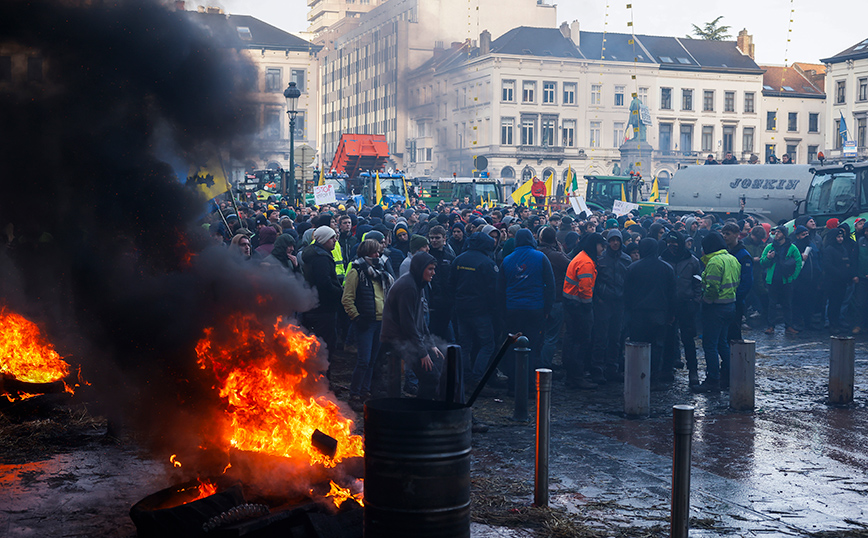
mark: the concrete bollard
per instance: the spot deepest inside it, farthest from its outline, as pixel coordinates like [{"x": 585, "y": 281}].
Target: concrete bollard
[
  {"x": 637, "y": 379},
  {"x": 742, "y": 375},
  {"x": 682, "y": 428},
  {"x": 842, "y": 365},
  {"x": 522, "y": 356},
  {"x": 543, "y": 436}
]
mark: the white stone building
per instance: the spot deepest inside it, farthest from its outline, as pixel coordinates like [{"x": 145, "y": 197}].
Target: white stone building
[
  {"x": 793, "y": 111},
  {"x": 847, "y": 88}
]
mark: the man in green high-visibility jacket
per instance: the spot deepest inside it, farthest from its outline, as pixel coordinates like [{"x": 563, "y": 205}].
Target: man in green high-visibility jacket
[{"x": 720, "y": 280}]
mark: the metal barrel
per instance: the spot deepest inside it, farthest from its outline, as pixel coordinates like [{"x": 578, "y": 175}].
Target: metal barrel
[
  {"x": 417, "y": 469},
  {"x": 742, "y": 375},
  {"x": 522, "y": 357},
  {"x": 682, "y": 427},
  {"x": 637, "y": 379},
  {"x": 842, "y": 365},
  {"x": 543, "y": 436}
]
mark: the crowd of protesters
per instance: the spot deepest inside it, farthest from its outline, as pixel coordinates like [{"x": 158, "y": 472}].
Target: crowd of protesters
[{"x": 409, "y": 280}]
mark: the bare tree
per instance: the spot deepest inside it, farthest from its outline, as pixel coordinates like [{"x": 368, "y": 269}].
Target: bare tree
[{"x": 711, "y": 31}]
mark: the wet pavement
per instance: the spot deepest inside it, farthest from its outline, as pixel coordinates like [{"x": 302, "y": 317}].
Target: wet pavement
[{"x": 796, "y": 466}]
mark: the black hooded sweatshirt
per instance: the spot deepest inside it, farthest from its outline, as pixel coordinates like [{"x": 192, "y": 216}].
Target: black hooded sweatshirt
[
  {"x": 686, "y": 267},
  {"x": 650, "y": 286},
  {"x": 406, "y": 310}
]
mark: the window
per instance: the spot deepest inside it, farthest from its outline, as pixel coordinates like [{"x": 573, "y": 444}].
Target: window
[
  {"x": 747, "y": 140},
  {"x": 686, "y": 138},
  {"x": 297, "y": 76},
  {"x": 273, "y": 80},
  {"x": 643, "y": 96},
  {"x": 792, "y": 121},
  {"x": 770, "y": 150},
  {"x": 729, "y": 101},
  {"x": 771, "y": 120},
  {"x": 549, "y": 89},
  {"x": 840, "y": 92},
  {"x": 863, "y": 90},
  {"x": 665, "y": 138},
  {"x": 708, "y": 100},
  {"x": 666, "y": 98},
  {"x": 569, "y": 93},
  {"x": 728, "y": 138},
  {"x": 594, "y": 140},
  {"x": 860, "y": 132},
  {"x": 618, "y": 134},
  {"x": 5, "y": 68},
  {"x": 791, "y": 151},
  {"x": 506, "y": 127},
  {"x": 507, "y": 93},
  {"x": 596, "y": 94},
  {"x": 619, "y": 95},
  {"x": 569, "y": 133},
  {"x": 527, "y": 134},
  {"x": 838, "y": 141},
  {"x": 528, "y": 87},
  {"x": 299, "y": 126},
  {"x": 429, "y": 154},
  {"x": 749, "y": 102},
  {"x": 707, "y": 138},
  {"x": 686, "y": 99},
  {"x": 34, "y": 69},
  {"x": 812, "y": 153},
  {"x": 547, "y": 131},
  {"x": 813, "y": 122},
  {"x": 272, "y": 124}
]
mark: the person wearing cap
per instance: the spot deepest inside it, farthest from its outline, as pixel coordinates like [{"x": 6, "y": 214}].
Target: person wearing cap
[
  {"x": 578, "y": 297},
  {"x": 734, "y": 246},
  {"x": 688, "y": 294},
  {"x": 782, "y": 262},
  {"x": 720, "y": 279},
  {"x": 807, "y": 288},
  {"x": 418, "y": 243},
  {"x": 609, "y": 308},
  {"x": 319, "y": 271}
]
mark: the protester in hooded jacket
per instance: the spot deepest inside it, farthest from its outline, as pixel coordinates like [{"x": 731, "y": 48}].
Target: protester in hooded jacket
[
  {"x": 548, "y": 245},
  {"x": 839, "y": 271},
  {"x": 283, "y": 254},
  {"x": 457, "y": 241},
  {"x": 578, "y": 296},
  {"x": 807, "y": 288},
  {"x": 609, "y": 309},
  {"x": 405, "y": 326},
  {"x": 649, "y": 289},
  {"x": 526, "y": 288},
  {"x": 783, "y": 262},
  {"x": 720, "y": 280},
  {"x": 267, "y": 236},
  {"x": 365, "y": 289},
  {"x": 734, "y": 246},
  {"x": 440, "y": 304},
  {"x": 319, "y": 272},
  {"x": 473, "y": 279},
  {"x": 400, "y": 246},
  {"x": 688, "y": 294}
]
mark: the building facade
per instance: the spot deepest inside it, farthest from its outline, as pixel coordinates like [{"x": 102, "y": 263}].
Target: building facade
[
  {"x": 847, "y": 86},
  {"x": 794, "y": 109}
]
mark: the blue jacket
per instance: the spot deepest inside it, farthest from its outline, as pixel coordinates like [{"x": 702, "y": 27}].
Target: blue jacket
[
  {"x": 473, "y": 276},
  {"x": 526, "y": 280},
  {"x": 746, "y": 261}
]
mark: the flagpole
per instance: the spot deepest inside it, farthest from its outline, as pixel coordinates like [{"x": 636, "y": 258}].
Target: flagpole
[{"x": 229, "y": 184}]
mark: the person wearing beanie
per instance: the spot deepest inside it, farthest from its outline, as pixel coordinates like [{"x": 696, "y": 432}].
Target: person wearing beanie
[
  {"x": 609, "y": 309},
  {"x": 730, "y": 232},
  {"x": 418, "y": 243},
  {"x": 548, "y": 245},
  {"x": 457, "y": 238},
  {"x": 267, "y": 236},
  {"x": 611, "y": 223},
  {"x": 688, "y": 294},
  {"x": 807, "y": 288},
  {"x": 783, "y": 263},
  {"x": 319, "y": 271},
  {"x": 570, "y": 242},
  {"x": 578, "y": 297},
  {"x": 720, "y": 279}
]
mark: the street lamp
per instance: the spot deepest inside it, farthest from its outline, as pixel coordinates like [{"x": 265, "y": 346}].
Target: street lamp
[{"x": 291, "y": 93}]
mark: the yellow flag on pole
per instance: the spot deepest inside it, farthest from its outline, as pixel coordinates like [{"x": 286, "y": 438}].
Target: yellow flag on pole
[
  {"x": 522, "y": 194},
  {"x": 550, "y": 185},
  {"x": 623, "y": 195},
  {"x": 655, "y": 191},
  {"x": 406, "y": 193},
  {"x": 321, "y": 177},
  {"x": 379, "y": 190},
  {"x": 209, "y": 180}
]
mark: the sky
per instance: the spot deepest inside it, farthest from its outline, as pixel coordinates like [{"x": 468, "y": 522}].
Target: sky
[{"x": 820, "y": 29}]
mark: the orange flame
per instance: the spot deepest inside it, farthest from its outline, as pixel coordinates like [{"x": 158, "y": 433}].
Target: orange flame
[
  {"x": 174, "y": 461},
  {"x": 204, "y": 489},
  {"x": 261, "y": 377},
  {"x": 25, "y": 354},
  {"x": 339, "y": 495}
]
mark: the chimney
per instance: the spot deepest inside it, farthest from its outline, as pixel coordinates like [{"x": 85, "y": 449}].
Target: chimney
[
  {"x": 574, "y": 32},
  {"x": 565, "y": 29},
  {"x": 484, "y": 42},
  {"x": 214, "y": 10},
  {"x": 744, "y": 43},
  {"x": 201, "y": 9},
  {"x": 180, "y": 5}
]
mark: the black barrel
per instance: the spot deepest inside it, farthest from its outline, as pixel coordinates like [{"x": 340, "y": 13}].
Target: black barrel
[{"x": 417, "y": 469}]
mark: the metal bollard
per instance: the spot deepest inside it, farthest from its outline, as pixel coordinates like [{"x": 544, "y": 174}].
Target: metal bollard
[
  {"x": 682, "y": 427},
  {"x": 522, "y": 356},
  {"x": 453, "y": 359},
  {"x": 637, "y": 379},
  {"x": 742, "y": 375},
  {"x": 394, "y": 387},
  {"x": 543, "y": 436},
  {"x": 842, "y": 369}
]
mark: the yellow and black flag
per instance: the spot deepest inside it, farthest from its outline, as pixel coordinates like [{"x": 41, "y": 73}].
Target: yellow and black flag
[{"x": 209, "y": 180}]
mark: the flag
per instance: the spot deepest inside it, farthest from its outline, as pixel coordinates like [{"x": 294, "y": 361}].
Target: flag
[
  {"x": 655, "y": 191},
  {"x": 842, "y": 129},
  {"x": 667, "y": 197},
  {"x": 379, "y": 191},
  {"x": 406, "y": 192},
  {"x": 321, "y": 177},
  {"x": 550, "y": 185},
  {"x": 209, "y": 180},
  {"x": 522, "y": 194},
  {"x": 572, "y": 183},
  {"x": 623, "y": 195}
]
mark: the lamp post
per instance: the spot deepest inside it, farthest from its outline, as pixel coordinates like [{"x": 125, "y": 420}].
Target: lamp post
[{"x": 291, "y": 93}]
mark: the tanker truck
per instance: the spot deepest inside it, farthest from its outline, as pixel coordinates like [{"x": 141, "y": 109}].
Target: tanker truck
[{"x": 769, "y": 192}]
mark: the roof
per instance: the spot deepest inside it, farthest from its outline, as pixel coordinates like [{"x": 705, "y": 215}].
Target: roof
[
  {"x": 246, "y": 32},
  {"x": 856, "y": 52},
  {"x": 789, "y": 82},
  {"x": 528, "y": 41}
]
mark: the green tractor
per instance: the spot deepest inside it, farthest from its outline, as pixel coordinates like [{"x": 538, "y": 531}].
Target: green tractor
[{"x": 603, "y": 191}]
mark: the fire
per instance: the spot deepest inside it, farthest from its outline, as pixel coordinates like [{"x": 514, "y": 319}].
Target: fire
[
  {"x": 339, "y": 495},
  {"x": 25, "y": 354},
  {"x": 265, "y": 378},
  {"x": 204, "y": 489},
  {"x": 175, "y": 462}
]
